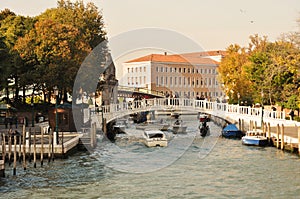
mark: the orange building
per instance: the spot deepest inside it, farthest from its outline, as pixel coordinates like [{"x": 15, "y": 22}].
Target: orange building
[{"x": 183, "y": 75}]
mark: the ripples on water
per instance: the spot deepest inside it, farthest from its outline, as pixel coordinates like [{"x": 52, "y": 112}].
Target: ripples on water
[{"x": 190, "y": 167}]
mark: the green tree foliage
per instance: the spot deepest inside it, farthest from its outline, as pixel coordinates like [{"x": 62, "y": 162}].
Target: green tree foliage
[
  {"x": 12, "y": 28},
  {"x": 233, "y": 75},
  {"x": 57, "y": 44},
  {"x": 269, "y": 71}
]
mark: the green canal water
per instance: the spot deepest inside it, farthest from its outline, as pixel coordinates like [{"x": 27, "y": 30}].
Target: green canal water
[{"x": 190, "y": 167}]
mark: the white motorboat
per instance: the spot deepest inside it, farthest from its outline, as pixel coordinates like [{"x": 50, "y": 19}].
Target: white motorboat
[
  {"x": 255, "y": 138},
  {"x": 179, "y": 127},
  {"x": 154, "y": 138}
]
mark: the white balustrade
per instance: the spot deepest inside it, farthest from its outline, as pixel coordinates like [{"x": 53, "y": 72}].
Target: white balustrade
[{"x": 114, "y": 111}]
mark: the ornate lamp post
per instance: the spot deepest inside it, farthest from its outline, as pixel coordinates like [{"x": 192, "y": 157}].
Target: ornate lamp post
[{"x": 56, "y": 116}]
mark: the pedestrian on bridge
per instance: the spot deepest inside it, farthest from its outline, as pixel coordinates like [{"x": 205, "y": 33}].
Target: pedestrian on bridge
[{"x": 292, "y": 114}]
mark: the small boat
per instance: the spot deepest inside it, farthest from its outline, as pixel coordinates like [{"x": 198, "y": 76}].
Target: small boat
[
  {"x": 204, "y": 129},
  {"x": 231, "y": 131},
  {"x": 120, "y": 126},
  {"x": 179, "y": 127},
  {"x": 255, "y": 138},
  {"x": 154, "y": 138},
  {"x": 175, "y": 115},
  {"x": 163, "y": 125}
]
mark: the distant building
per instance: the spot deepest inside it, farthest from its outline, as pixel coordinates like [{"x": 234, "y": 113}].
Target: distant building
[{"x": 183, "y": 75}]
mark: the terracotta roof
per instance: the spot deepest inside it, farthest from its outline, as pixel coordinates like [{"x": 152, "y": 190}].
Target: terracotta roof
[{"x": 181, "y": 58}]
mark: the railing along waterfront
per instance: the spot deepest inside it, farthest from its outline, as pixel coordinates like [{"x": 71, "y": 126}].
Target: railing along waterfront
[{"x": 223, "y": 110}]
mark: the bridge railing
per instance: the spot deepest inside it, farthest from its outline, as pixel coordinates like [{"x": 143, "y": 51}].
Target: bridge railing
[{"x": 113, "y": 111}]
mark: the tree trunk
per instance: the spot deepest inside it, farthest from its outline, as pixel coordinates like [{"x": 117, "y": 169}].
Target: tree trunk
[{"x": 24, "y": 95}]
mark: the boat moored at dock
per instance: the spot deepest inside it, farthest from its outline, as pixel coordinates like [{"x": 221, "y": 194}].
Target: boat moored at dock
[
  {"x": 231, "y": 131},
  {"x": 255, "y": 138}
]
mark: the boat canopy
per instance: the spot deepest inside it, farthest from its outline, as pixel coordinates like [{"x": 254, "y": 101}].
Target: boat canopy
[{"x": 231, "y": 127}]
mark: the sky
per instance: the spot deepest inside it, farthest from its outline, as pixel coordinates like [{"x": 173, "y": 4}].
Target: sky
[{"x": 212, "y": 24}]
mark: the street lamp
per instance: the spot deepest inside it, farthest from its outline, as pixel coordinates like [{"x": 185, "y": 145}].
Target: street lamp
[{"x": 56, "y": 116}]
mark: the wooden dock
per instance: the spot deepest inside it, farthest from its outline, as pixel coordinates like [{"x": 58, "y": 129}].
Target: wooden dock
[
  {"x": 282, "y": 137},
  {"x": 31, "y": 144}
]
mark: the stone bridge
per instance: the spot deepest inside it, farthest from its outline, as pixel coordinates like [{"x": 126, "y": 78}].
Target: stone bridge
[{"x": 229, "y": 112}]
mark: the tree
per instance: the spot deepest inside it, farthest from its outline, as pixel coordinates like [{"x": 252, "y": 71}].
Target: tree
[
  {"x": 59, "y": 42},
  {"x": 233, "y": 76},
  {"x": 12, "y": 28}
]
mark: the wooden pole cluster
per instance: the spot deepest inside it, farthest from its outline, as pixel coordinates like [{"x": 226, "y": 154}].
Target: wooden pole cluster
[{"x": 19, "y": 148}]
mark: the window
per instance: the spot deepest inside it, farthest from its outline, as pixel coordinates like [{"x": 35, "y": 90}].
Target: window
[
  {"x": 144, "y": 79},
  {"x": 179, "y": 70},
  {"x": 179, "y": 81},
  {"x": 166, "y": 69},
  {"x": 188, "y": 70},
  {"x": 144, "y": 68},
  {"x": 132, "y": 70},
  {"x": 136, "y": 70},
  {"x": 175, "y": 70},
  {"x": 171, "y": 70},
  {"x": 183, "y": 70},
  {"x": 175, "y": 81},
  {"x": 166, "y": 81},
  {"x": 156, "y": 69},
  {"x": 161, "y": 69},
  {"x": 140, "y": 69},
  {"x": 128, "y": 70},
  {"x": 157, "y": 81},
  {"x": 161, "y": 80},
  {"x": 171, "y": 81}
]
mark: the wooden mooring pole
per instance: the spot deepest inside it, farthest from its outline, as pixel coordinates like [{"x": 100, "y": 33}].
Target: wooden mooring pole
[
  {"x": 9, "y": 147},
  {"x": 299, "y": 140},
  {"x": 15, "y": 155},
  {"x": 277, "y": 138},
  {"x": 282, "y": 137},
  {"x": 34, "y": 149},
  {"x": 269, "y": 132},
  {"x": 2, "y": 162},
  {"x": 24, "y": 147},
  {"x": 20, "y": 148},
  {"x": 29, "y": 145},
  {"x": 49, "y": 147},
  {"x": 42, "y": 147}
]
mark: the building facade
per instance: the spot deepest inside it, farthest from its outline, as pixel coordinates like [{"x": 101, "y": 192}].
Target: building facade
[{"x": 185, "y": 75}]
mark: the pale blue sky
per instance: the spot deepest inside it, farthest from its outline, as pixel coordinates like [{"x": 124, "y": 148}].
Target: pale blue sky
[
  {"x": 192, "y": 25},
  {"x": 213, "y": 24}
]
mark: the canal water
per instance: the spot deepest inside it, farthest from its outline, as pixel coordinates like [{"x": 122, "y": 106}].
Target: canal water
[{"x": 190, "y": 167}]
